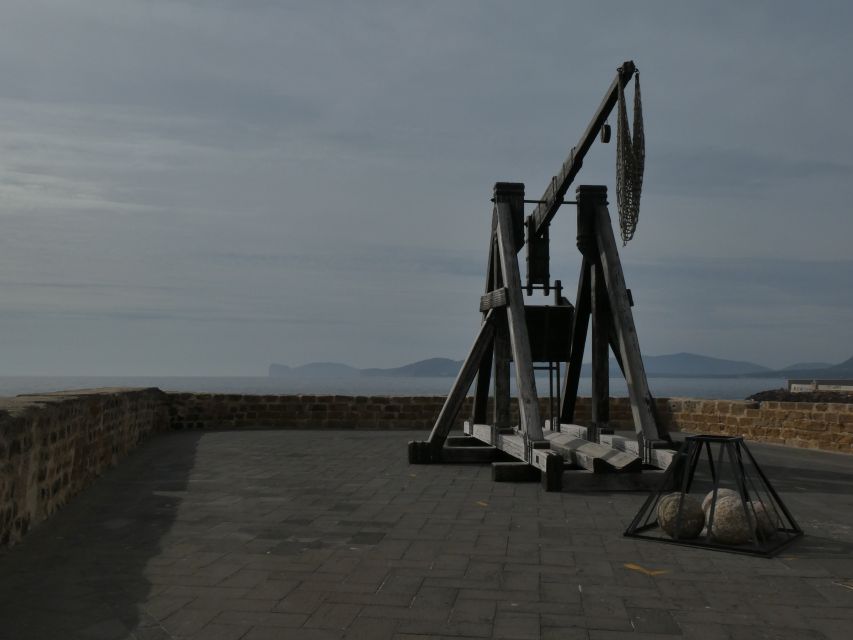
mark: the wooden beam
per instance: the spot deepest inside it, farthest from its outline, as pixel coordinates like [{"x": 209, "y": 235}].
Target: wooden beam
[
  {"x": 580, "y": 327},
  {"x": 502, "y": 354},
  {"x": 493, "y": 300},
  {"x": 559, "y": 186},
  {"x": 528, "y": 400},
  {"x": 481, "y": 393},
  {"x": 464, "y": 378},
  {"x": 600, "y": 354},
  {"x": 623, "y": 318}
]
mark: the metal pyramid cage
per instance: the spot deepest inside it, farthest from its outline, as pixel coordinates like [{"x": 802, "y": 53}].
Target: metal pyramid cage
[{"x": 715, "y": 496}]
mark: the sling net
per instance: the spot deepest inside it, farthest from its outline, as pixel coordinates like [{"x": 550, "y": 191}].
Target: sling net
[{"x": 630, "y": 162}]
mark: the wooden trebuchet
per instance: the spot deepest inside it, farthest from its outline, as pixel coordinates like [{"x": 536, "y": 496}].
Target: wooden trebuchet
[{"x": 513, "y": 333}]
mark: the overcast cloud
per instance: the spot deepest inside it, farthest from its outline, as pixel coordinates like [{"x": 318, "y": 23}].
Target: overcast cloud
[{"x": 205, "y": 187}]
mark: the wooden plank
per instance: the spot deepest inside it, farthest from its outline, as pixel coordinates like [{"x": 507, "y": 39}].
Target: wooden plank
[
  {"x": 591, "y": 455},
  {"x": 559, "y": 186},
  {"x": 580, "y": 327},
  {"x": 528, "y": 400},
  {"x": 493, "y": 300},
  {"x": 626, "y": 331},
  {"x": 463, "y": 381},
  {"x": 600, "y": 348},
  {"x": 660, "y": 458}
]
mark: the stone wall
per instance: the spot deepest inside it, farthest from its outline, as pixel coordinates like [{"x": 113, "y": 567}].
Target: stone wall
[
  {"x": 816, "y": 426},
  {"x": 53, "y": 446},
  {"x": 235, "y": 411},
  {"x": 827, "y": 426}
]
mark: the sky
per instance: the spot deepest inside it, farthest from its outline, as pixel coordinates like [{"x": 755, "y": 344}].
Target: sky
[{"x": 205, "y": 187}]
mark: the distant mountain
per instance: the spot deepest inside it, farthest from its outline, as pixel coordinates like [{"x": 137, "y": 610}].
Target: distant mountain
[
  {"x": 673, "y": 365},
  {"x": 430, "y": 368},
  {"x": 807, "y": 365},
  {"x": 841, "y": 370},
  {"x": 693, "y": 365},
  {"x": 313, "y": 370}
]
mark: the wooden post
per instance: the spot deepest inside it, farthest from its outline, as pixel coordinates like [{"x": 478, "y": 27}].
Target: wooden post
[
  {"x": 580, "y": 328},
  {"x": 481, "y": 394},
  {"x": 503, "y": 354},
  {"x": 595, "y": 197},
  {"x": 600, "y": 354},
  {"x": 509, "y": 199}
]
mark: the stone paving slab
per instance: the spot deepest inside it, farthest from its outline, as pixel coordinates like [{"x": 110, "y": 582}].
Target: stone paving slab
[{"x": 294, "y": 534}]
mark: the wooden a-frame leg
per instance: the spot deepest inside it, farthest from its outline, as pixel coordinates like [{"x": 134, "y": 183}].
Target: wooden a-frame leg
[
  {"x": 600, "y": 355},
  {"x": 528, "y": 399},
  {"x": 502, "y": 355},
  {"x": 453, "y": 403},
  {"x": 580, "y": 327},
  {"x": 484, "y": 375},
  {"x": 626, "y": 332}
]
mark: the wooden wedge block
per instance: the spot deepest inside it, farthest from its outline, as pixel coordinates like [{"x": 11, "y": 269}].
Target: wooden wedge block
[{"x": 593, "y": 456}]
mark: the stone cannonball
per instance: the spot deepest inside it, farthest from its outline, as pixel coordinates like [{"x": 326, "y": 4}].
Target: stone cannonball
[
  {"x": 721, "y": 493},
  {"x": 731, "y": 525},
  {"x": 765, "y": 525},
  {"x": 692, "y": 517}
]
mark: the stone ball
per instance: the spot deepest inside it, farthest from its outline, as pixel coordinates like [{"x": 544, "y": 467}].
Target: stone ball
[
  {"x": 692, "y": 516},
  {"x": 721, "y": 493},
  {"x": 765, "y": 521},
  {"x": 731, "y": 525}
]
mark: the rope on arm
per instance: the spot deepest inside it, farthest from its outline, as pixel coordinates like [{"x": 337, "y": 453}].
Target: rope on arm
[{"x": 630, "y": 162}]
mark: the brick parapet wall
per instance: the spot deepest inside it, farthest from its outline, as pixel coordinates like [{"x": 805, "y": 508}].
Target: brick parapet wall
[
  {"x": 52, "y": 446},
  {"x": 827, "y": 426},
  {"x": 811, "y": 425},
  {"x": 237, "y": 411}
]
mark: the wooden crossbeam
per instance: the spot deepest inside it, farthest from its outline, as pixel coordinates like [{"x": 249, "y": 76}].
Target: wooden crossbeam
[{"x": 493, "y": 299}]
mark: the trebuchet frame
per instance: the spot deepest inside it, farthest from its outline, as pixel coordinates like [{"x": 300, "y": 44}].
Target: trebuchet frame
[{"x": 511, "y": 331}]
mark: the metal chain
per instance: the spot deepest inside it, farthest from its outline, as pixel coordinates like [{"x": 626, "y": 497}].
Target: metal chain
[{"x": 630, "y": 162}]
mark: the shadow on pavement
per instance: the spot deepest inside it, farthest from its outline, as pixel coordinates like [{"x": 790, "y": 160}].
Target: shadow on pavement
[{"x": 81, "y": 574}]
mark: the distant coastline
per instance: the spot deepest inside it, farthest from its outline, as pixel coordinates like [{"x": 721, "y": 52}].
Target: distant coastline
[{"x": 678, "y": 365}]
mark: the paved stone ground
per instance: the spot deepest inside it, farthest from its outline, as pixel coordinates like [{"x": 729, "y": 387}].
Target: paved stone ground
[{"x": 288, "y": 534}]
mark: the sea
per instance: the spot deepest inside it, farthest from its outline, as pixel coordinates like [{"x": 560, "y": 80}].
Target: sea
[{"x": 720, "y": 388}]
